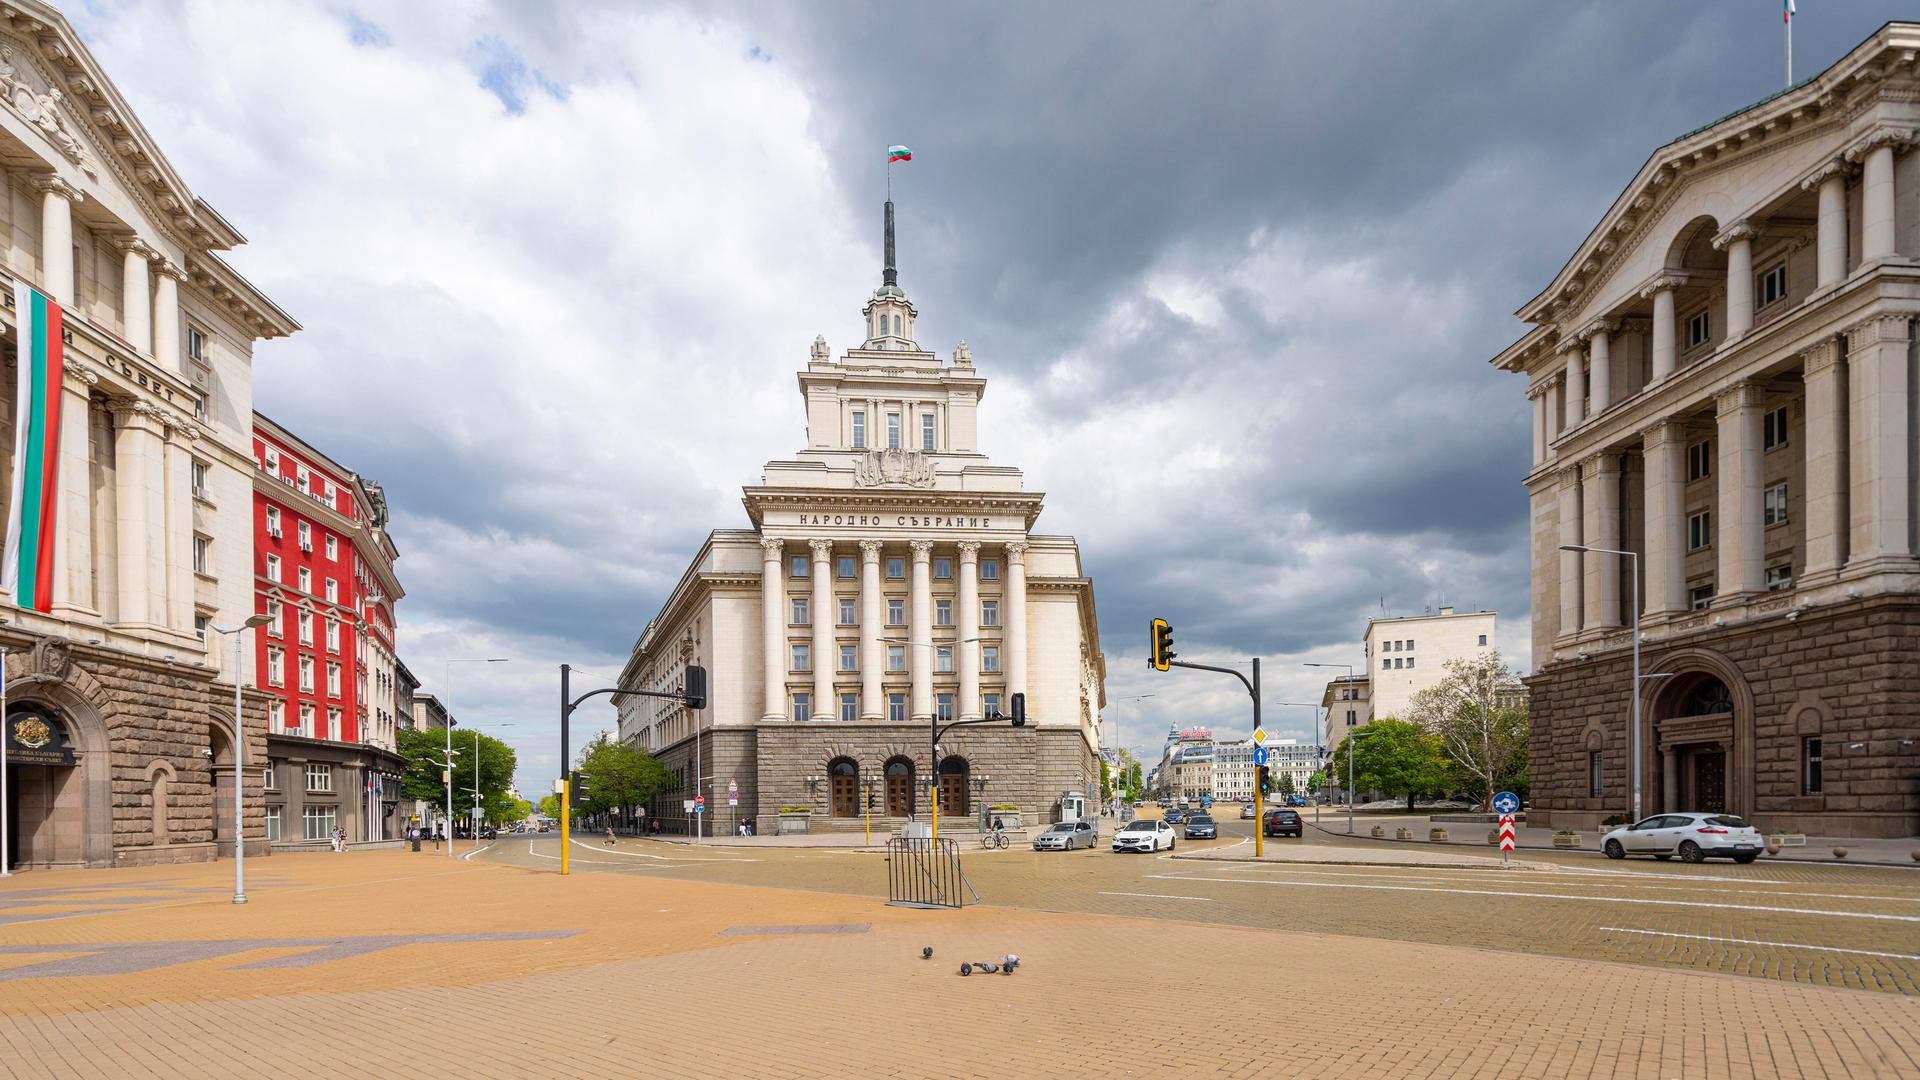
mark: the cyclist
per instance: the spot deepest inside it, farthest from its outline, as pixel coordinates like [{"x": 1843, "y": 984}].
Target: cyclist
[{"x": 999, "y": 832}]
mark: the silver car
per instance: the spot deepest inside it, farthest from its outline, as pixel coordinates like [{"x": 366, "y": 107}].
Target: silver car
[
  {"x": 1065, "y": 836},
  {"x": 1692, "y": 836}
]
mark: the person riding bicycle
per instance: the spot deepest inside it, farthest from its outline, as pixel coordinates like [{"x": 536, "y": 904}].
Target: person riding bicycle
[{"x": 999, "y": 830}]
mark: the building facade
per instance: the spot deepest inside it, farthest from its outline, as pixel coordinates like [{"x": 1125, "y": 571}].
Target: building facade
[
  {"x": 1722, "y": 384},
  {"x": 891, "y": 577},
  {"x": 1347, "y": 703},
  {"x": 1410, "y": 654},
  {"x": 120, "y": 707}
]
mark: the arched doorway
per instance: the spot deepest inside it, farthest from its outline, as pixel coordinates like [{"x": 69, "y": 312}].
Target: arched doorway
[
  {"x": 45, "y": 797},
  {"x": 899, "y": 788},
  {"x": 953, "y": 787},
  {"x": 1700, "y": 757},
  {"x": 220, "y": 744},
  {"x": 844, "y": 776}
]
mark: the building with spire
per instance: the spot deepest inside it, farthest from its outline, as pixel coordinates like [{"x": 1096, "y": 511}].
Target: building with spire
[{"x": 889, "y": 578}]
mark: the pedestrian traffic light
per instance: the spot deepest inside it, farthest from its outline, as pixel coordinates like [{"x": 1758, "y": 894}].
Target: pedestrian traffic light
[
  {"x": 1266, "y": 780},
  {"x": 1160, "y": 644},
  {"x": 695, "y": 690},
  {"x": 1019, "y": 705}
]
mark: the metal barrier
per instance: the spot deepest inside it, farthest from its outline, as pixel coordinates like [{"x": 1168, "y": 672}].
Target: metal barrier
[{"x": 925, "y": 873}]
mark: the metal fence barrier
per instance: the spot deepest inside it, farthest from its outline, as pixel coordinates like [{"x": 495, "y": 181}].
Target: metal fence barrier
[{"x": 925, "y": 873}]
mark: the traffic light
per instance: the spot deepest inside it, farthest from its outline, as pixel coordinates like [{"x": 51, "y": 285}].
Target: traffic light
[
  {"x": 1019, "y": 705},
  {"x": 695, "y": 691},
  {"x": 1266, "y": 780},
  {"x": 1160, "y": 644}
]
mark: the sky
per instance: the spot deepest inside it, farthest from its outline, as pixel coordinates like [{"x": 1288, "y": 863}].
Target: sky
[{"x": 1233, "y": 272}]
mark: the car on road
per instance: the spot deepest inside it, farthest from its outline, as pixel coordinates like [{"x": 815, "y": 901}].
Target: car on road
[
  {"x": 1246, "y": 813},
  {"x": 1201, "y": 827},
  {"x": 1174, "y": 817},
  {"x": 1146, "y": 836},
  {"x": 1065, "y": 836},
  {"x": 1282, "y": 823},
  {"x": 1695, "y": 837}
]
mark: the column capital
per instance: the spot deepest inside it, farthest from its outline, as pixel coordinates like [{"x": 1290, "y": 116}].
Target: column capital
[
  {"x": 870, "y": 552},
  {"x": 969, "y": 552},
  {"x": 1598, "y": 467},
  {"x": 1732, "y": 234},
  {"x": 1017, "y": 553},
  {"x": 77, "y": 375},
  {"x": 822, "y": 550},
  {"x": 133, "y": 245},
  {"x": 167, "y": 268},
  {"x": 54, "y": 183},
  {"x": 771, "y": 550},
  {"x": 1834, "y": 168},
  {"x": 1569, "y": 478},
  {"x": 1876, "y": 329},
  {"x": 1542, "y": 388},
  {"x": 1664, "y": 433},
  {"x": 922, "y": 550},
  {"x": 1747, "y": 394},
  {"x": 1605, "y": 324},
  {"x": 1891, "y": 137},
  {"x": 1820, "y": 356},
  {"x": 1664, "y": 281},
  {"x": 1569, "y": 343}
]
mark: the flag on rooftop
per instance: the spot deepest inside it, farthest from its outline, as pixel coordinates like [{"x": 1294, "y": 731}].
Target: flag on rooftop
[{"x": 901, "y": 153}]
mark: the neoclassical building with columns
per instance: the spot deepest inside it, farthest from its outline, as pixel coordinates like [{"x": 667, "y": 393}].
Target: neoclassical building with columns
[
  {"x": 890, "y": 577},
  {"x": 1723, "y": 384},
  {"x": 126, "y": 755}
]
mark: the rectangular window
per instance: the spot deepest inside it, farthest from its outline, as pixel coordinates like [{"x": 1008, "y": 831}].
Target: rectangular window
[
  {"x": 797, "y": 566},
  {"x": 1700, "y": 597},
  {"x": 859, "y": 431},
  {"x": 1351, "y": 718},
  {"x": 847, "y": 567},
  {"x": 800, "y": 611},
  {"x": 849, "y": 611},
  {"x": 1773, "y": 505},
  {"x": 990, "y": 658},
  {"x": 1595, "y": 775},
  {"x": 306, "y": 720},
  {"x": 305, "y": 533},
  {"x": 896, "y": 707},
  {"x": 896, "y": 613},
  {"x": 333, "y": 552},
  {"x": 276, "y": 673},
  {"x": 306, "y": 628},
  {"x": 196, "y": 344},
  {"x": 989, "y": 569},
  {"x": 333, "y": 591},
  {"x": 1699, "y": 530},
  {"x": 989, "y": 613},
  {"x": 1409, "y": 644},
  {"x": 801, "y": 660},
  {"x": 201, "y": 620},
  {"x": 896, "y": 569},
  {"x": 849, "y": 708},
  {"x": 199, "y": 476},
  {"x": 273, "y": 820},
  {"x": 1773, "y": 428},
  {"x": 847, "y": 661},
  {"x": 802, "y": 707},
  {"x": 990, "y": 704},
  {"x": 1483, "y": 639},
  {"x": 277, "y": 715},
  {"x": 319, "y": 776},
  {"x": 270, "y": 459},
  {"x": 943, "y": 659},
  {"x": 317, "y": 822},
  {"x": 306, "y": 674},
  {"x": 202, "y": 555},
  {"x": 926, "y": 431},
  {"x": 273, "y": 568},
  {"x": 943, "y": 613},
  {"x": 305, "y": 577},
  {"x": 333, "y": 680},
  {"x": 273, "y": 522},
  {"x": 1409, "y": 661},
  {"x": 1772, "y": 284},
  {"x": 1396, "y": 662},
  {"x": 333, "y": 636},
  {"x": 1780, "y": 578},
  {"x": 333, "y": 724},
  {"x": 1811, "y": 781},
  {"x": 893, "y": 431},
  {"x": 943, "y": 569},
  {"x": 1699, "y": 329},
  {"x": 896, "y": 658},
  {"x": 1700, "y": 460},
  {"x": 943, "y": 707},
  {"x": 1385, "y": 664}
]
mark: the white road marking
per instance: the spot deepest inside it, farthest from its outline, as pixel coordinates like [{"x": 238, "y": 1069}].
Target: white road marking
[
  {"x": 1553, "y": 896},
  {"x": 468, "y": 857},
  {"x": 1157, "y": 896},
  {"x": 1654, "y": 881},
  {"x": 1756, "y": 941},
  {"x": 602, "y": 849}
]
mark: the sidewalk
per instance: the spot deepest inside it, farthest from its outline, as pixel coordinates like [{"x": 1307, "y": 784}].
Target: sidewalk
[{"x": 1897, "y": 852}]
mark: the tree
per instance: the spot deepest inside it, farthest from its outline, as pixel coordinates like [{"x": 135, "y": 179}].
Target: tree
[
  {"x": 618, "y": 775},
  {"x": 550, "y": 806},
  {"x": 1286, "y": 783},
  {"x": 1480, "y": 718},
  {"x": 422, "y": 778},
  {"x": 1106, "y": 783},
  {"x": 1396, "y": 757}
]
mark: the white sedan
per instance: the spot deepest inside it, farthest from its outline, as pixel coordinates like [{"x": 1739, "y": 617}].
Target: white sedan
[
  {"x": 1146, "y": 836},
  {"x": 1694, "y": 837}
]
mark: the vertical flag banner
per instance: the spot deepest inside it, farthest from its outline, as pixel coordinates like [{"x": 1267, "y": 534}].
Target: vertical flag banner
[{"x": 28, "y": 572}]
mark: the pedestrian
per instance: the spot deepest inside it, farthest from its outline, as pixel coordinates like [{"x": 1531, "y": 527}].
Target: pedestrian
[
  {"x": 339, "y": 839},
  {"x": 609, "y": 834}
]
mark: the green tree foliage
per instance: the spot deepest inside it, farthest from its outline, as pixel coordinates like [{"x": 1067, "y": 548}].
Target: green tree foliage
[
  {"x": 1286, "y": 784},
  {"x": 618, "y": 776},
  {"x": 1397, "y": 757},
  {"x": 422, "y": 779},
  {"x": 1479, "y": 715},
  {"x": 1317, "y": 782},
  {"x": 1106, "y": 783},
  {"x": 550, "y": 806}
]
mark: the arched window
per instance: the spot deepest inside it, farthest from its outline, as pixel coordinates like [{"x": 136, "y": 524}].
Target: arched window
[
  {"x": 1707, "y": 697},
  {"x": 844, "y": 775},
  {"x": 953, "y": 787},
  {"x": 899, "y": 788},
  {"x": 896, "y": 326}
]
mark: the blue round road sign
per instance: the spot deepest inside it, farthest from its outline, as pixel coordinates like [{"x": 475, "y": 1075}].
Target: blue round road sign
[
  {"x": 1259, "y": 755},
  {"x": 1506, "y": 802}
]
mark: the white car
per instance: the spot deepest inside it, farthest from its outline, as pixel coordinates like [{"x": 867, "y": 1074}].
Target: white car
[
  {"x": 1066, "y": 835},
  {"x": 1146, "y": 836},
  {"x": 1693, "y": 836}
]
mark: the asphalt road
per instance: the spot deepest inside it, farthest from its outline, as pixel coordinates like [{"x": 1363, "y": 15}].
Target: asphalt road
[{"x": 1813, "y": 923}]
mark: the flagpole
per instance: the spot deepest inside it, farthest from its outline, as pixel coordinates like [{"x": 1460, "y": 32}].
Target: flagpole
[{"x": 1789, "y": 48}]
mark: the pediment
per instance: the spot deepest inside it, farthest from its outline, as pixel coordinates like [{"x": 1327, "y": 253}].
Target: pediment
[{"x": 26, "y": 92}]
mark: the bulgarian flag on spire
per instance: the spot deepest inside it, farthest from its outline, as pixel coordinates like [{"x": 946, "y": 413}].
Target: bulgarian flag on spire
[
  {"x": 28, "y": 573},
  {"x": 1787, "y": 12},
  {"x": 901, "y": 153}
]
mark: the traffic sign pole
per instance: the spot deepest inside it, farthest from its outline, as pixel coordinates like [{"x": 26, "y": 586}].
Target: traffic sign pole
[{"x": 1506, "y": 837}]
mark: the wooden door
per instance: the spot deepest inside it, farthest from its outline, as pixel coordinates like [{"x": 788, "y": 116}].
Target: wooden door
[
  {"x": 953, "y": 794},
  {"x": 899, "y": 791},
  {"x": 846, "y": 795},
  {"x": 1710, "y": 782}
]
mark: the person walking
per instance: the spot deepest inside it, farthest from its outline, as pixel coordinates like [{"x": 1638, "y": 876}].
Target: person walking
[{"x": 609, "y": 834}]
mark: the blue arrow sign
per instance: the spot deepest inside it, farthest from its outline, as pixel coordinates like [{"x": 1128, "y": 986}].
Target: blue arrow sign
[
  {"x": 1506, "y": 802},
  {"x": 1259, "y": 755}
]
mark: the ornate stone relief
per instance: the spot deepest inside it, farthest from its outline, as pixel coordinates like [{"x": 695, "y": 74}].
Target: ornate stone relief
[
  {"x": 42, "y": 109},
  {"x": 894, "y": 467}
]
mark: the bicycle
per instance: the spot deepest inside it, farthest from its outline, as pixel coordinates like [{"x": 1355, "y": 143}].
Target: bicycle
[{"x": 991, "y": 840}]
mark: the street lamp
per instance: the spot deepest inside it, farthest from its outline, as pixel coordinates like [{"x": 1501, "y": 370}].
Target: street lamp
[
  {"x": 475, "y": 825},
  {"x": 446, "y": 676},
  {"x": 1633, "y": 735},
  {"x": 1123, "y": 744},
  {"x": 254, "y": 622},
  {"x": 1358, "y": 733},
  {"x": 1326, "y": 780},
  {"x": 1319, "y": 749}
]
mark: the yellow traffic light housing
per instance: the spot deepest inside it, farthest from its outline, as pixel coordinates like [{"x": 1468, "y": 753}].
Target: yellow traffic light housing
[{"x": 1160, "y": 644}]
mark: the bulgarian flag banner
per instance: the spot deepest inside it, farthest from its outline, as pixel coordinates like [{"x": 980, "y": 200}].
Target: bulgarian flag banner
[
  {"x": 28, "y": 573},
  {"x": 898, "y": 153}
]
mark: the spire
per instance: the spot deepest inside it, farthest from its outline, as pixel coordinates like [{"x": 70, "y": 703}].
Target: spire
[{"x": 888, "y": 275}]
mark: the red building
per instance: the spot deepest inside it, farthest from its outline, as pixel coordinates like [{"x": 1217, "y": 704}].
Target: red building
[{"x": 323, "y": 575}]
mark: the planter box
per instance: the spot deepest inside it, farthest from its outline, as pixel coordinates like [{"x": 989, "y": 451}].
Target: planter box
[
  {"x": 1403, "y": 834},
  {"x": 1008, "y": 818},
  {"x": 1380, "y": 832},
  {"x": 1436, "y": 836},
  {"x": 1566, "y": 841},
  {"x": 794, "y": 823}
]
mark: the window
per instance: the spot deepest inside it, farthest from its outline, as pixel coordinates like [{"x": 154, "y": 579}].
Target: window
[
  {"x": 333, "y": 636},
  {"x": 1700, "y": 460},
  {"x": 943, "y": 569},
  {"x": 1699, "y": 530},
  {"x": 302, "y": 478},
  {"x": 1773, "y": 428},
  {"x": 848, "y": 611},
  {"x": 199, "y": 475},
  {"x": 1351, "y": 721},
  {"x": 306, "y": 628},
  {"x": 1396, "y": 662},
  {"x": 273, "y": 818},
  {"x": 275, "y": 673},
  {"x": 893, "y": 431},
  {"x": 1700, "y": 597},
  {"x": 1409, "y": 644},
  {"x": 1483, "y": 639},
  {"x": 202, "y": 555},
  {"x": 1780, "y": 578},
  {"x": 270, "y": 459},
  {"x": 943, "y": 707},
  {"x": 1772, "y": 285},
  {"x": 273, "y": 615},
  {"x": 1595, "y": 774},
  {"x": 1409, "y": 661},
  {"x": 1811, "y": 781},
  {"x": 849, "y": 708},
  {"x": 333, "y": 591},
  {"x": 846, "y": 567},
  {"x": 201, "y": 620},
  {"x": 896, "y": 326},
  {"x": 197, "y": 344},
  {"x": 896, "y": 658},
  {"x": 847, "y": 661},
  {"x": 1699, "y": 329},
  {"x": 333, "y": 552},
  {"x": 990, "y": 658},
  {"x": 273, "y": 522},
  {"x": 896, "y": 613},
  {"x": 989, "y": 569},
  {"x": 306, "y": 674},
  {"x": 1385, "y": 664},
  {"x": 1773, "y": 505},
  {"x": 276, "y": 716},
  {"x": 859, "y": 431},
  {"x": 797, "y": 566},
  {"x": 926, "y": 431},
  {"x": 800, "y": 611},
  {"x": 989, "y": 613},
  {"x": 305, "y": 578},
  {"x": 319, "y": 776},
  {"x": 801, "y": 660},
  {"x": 943, "y": 613},
  {"x": 316, "y": 822},
  {"x": 334, "y": 730},
  {"x": 802, "y": 707},
  {"x": 333, "y": 680},
  {"x": 896, "y": 569},
  {"x": 896, "y": 707},
  {"x": 305, "y": 533},
  {"x": 943, "y": 659}
]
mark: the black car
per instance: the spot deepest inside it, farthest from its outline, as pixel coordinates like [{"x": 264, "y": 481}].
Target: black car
[
  {"x": 1201, "y": 827},
  {"x": 1282, "y": 823}
]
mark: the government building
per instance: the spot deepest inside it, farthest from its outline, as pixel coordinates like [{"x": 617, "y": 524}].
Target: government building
[
  {"x": 1723, "y": 384},
  {"x": 890, "y": 578}
]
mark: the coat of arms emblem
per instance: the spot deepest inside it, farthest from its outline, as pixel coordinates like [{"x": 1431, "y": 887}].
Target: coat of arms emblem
[
  {"x": 893, "y": 466},
  {"x": 32, "y": 732}
]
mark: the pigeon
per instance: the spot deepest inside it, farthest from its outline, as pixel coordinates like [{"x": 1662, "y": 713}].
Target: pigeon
[{"x": 926, "y": 953}]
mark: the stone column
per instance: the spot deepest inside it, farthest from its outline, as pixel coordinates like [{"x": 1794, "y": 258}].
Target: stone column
[
  {"x": 1880, "y": 445},
  {"x": 1665, "y": 351},
  {"x": 1741, "y": 552},
  {"x": 968, "y": 656},
  {"x": 1737, "y": 241},
  {"x": 1826, "y": 457},
  {"x": 873, "y": 652},
  {"x": 166, "y": 315},
  {"x": 1013, "y": 601},
  {"x": 826, "y": 651},
  {"x": 1555, "y": 410},
  {"x": 1665, "y": 454},
  {"x": 1576, "y": 385},
  {"x": 179, "y": 524},
  {"x": 773, "y": 628},
  {"x": 56, "y": 236},
  {"x": 1600, "y": 365},
  {"x": 1669, "y": 779},
  {"x": 1875, "y": 156},
  {"x": 920, "y": 631},
  {"x": 136, "y": 301},
  {"x": 140, "y": 507},
  {"x": 1538, "y": 395},
  {"x": 1831, "y": 253},
  {"x": 73, "y": 518},
  {"x": 1600, "y": 523},
  {"x": 1570, "y": 533}
]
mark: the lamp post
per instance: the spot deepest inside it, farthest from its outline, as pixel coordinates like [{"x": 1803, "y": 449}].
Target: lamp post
[
  {"x": 446, "y": 676},
  {"x": 1633, "y": 735},
  {"x": 1119, "y": 789},
  {"x": 1326, "y": 779},
  {"x": 476, "y": 788},
  {"x": 1319, "y": 748},
  {"x": 253, "y": 622},
  {"x": 1357, "y": 734}
]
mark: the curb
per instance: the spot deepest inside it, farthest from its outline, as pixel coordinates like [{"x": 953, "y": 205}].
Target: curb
[
  {"x": 1484, "y": 865},
  {"x": 1776, "y": 860}
]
